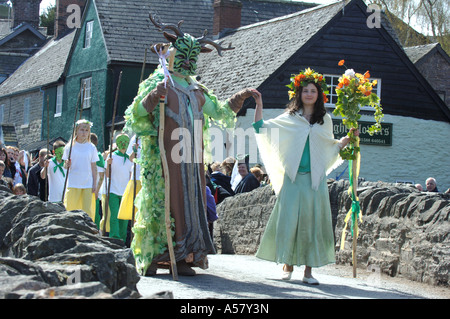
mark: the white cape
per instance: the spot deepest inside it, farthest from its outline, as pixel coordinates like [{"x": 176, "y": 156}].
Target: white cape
[{"x": 281, "y": 142}]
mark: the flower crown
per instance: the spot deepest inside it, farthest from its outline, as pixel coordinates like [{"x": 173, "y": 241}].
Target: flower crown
[
  {"x": 304, "y": 78},
  {"x": 83, "y": 121}
]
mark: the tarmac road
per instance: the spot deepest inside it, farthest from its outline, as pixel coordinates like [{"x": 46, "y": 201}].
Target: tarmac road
[{"x": 246, "y": 277}]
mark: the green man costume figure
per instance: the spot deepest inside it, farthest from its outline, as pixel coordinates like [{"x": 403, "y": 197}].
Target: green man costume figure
[{"x": 188, "y": 107}]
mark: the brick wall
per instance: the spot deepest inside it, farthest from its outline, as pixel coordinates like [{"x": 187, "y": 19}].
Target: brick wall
[
  {"x": 26, "y": 11},
  {"x": 227, "y": 14},
  {"x": 62, "y": 15}
]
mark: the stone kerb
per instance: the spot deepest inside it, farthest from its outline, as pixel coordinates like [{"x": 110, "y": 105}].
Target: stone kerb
[{"x": 404, "y": 232}]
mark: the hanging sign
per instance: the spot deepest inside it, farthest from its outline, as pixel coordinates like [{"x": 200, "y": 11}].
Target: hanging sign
[{"x": 382, "y": 138}]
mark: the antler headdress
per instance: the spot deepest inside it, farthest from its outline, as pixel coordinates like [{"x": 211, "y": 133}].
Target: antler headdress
[{"x": 203, "y": 40}]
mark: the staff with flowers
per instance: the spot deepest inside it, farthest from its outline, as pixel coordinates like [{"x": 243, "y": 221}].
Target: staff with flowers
[
  {"x": 353, "y": 91},
  {"x": 298, "y": 149}
]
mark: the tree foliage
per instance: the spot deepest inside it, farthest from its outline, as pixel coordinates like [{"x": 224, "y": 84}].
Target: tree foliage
[
  {"x": 47, "y": 19},
  {"x": 432, "y": 17}
]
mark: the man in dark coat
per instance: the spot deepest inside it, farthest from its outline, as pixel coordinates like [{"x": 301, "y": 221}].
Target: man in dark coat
[{"x": 36, "y": 185}]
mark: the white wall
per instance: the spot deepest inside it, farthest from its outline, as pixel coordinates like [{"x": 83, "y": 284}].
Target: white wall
[{"x": 420, "y": 149}]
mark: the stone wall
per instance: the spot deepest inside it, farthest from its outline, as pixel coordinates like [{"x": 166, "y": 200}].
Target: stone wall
[
  {"x": 48, "y": 252},
  {"x": 13, "y": 113},
  {"x": 404, "y": 232}
]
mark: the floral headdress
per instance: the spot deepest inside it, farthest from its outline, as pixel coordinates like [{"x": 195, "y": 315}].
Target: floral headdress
[
  {"x": 304, "y": 78},
  {"x": 83, "y": 121}
]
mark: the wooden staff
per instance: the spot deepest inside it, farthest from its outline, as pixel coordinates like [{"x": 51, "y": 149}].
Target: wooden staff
[
  {"x": 48, "y": 143},
  {"x": 110, "y": 152},
  {"x": 355, "y": 175},
  {"x": 71, "y": 142},
  {"x": 101, "y": 117},
  {"x": 165, "y": 166}
]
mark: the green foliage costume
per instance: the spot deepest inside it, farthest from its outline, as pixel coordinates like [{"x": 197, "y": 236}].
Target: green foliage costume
[{"x": 187, "y": 104}]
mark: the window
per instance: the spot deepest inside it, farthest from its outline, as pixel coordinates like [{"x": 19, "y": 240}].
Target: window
[
  {"x": 333, "y": 81},
  {"x": 26, "y": 112},
  {"x": 2, "y": 110},
  {"x": 86, "y": 85},
  {"x": 88, "y": 35},
  {"x": 59, "y": 99}
]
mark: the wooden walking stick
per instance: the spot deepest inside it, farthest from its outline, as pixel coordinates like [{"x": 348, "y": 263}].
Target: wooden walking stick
[
  {"x": 110, "y": 153},
  {"x": 48, "y": 143},
  {"x": 165, "y": 166},
  {"x": 71, "y": 142}
]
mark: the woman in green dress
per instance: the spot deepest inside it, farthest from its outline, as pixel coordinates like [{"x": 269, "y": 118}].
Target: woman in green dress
[{"x": 298, "y": 149}]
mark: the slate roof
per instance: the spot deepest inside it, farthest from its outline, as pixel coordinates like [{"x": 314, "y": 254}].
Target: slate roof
[
  {"x": 23, "y": 27},
  {"x": 269, "y": 52},
  {"x": 254, "y": 11},
  {"x": 417, "y": 52},
  {"x": 43, "y": 68},
  {"x": 128, "y": 31}
]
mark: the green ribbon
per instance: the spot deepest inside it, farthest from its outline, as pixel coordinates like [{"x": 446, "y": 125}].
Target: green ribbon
[
  {"x": 124, "y": 155},
  {"x": 101, "y": 161},
  {"x": 60, "y": 166},
  {"x": 355, "y": 202}
]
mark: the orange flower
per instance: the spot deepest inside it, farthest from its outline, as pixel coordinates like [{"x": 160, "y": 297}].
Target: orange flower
[
  {"x": 367, "y": 75},
  {"x": 325, "y": 99},
  {"x": 346, "y": 81},
  {"x": 341, "y": 62},
  {"x": 340, "y": 85},
  {"x": 297, "y": 81},
  {"x": 367, "y": 93},
  {"x": 320, "y": 78}
]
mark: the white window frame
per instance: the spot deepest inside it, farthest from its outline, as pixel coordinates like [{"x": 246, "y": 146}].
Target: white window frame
[
  {"x": 86, "y": 85},
  {"x": 334, "y": 81},
  {"x": 26, "y": 112},
  {"x": 59, "y": 100},
  {"x": 88, "y": 34}
]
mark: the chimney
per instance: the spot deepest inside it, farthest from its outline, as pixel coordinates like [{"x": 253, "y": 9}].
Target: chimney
[
  {"x": 26, "y": 11},
  {"x": 61, "y": 27},
  {"x": 227, "y": 15}
]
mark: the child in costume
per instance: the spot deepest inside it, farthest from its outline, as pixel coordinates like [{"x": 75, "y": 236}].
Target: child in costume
[
  {"x": 56, "y": 173},
  {"x": 81, "y": 170},
  {"x": 100, "y": 178},
  {"x": 118, "y": 169},
  {"x": 126, "y": 206}
]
